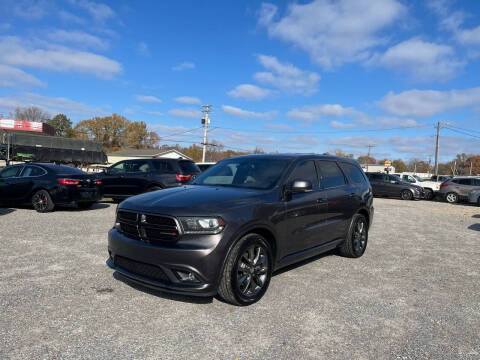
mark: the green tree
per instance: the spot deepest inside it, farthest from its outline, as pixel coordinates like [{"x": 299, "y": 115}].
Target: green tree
[
  {"x": 366, "y": 160},
  {"x": 62, "y": 125}
]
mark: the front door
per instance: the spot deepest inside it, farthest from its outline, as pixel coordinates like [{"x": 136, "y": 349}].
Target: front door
[
  {"x": 304, "y": 212},
  {"x": 114, "y": 179},
  {"x": 8, "y": 181}
]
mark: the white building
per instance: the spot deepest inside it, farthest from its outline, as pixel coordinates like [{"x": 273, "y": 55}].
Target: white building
[{"x": 132, "y": 154}]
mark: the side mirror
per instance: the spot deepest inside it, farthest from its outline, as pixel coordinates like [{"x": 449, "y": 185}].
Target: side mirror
[{"x": 300, "y": 186}]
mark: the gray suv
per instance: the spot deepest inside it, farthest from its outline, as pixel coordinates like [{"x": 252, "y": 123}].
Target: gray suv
[{"x": 456, "y": 189}]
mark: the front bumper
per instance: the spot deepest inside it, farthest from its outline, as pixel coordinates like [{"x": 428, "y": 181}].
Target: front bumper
[{"x": 156, "y": 267}]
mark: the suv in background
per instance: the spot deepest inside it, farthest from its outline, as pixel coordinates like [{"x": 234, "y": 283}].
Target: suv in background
[
  {"x": 132, "y": 177},
  {"x": 392, "y": 185},
  {"x": 456, "y": 189},
  {"x": 440, "y": 178},
  {"x": 235, "y": 224}
]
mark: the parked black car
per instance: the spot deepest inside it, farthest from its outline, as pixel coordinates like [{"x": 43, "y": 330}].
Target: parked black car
[
  {"x": 132, "y": 177},
  {"x": 239, "y": 221},
  {"x": 45, "y": 186},
  {"x": 392, "y": 185}
]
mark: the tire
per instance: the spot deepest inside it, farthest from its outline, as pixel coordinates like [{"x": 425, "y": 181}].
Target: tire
[
  {"x": 406, "y": 195},
  {"x": 42, "y": 202},
  {"x": 85, "y": 205},
  {"x": 355, "y": 244},
  {"x": 478, "y": 201},
  {"x": 428, "y": 194},
  {"x": 251, "y": 260},
  {"x": 451, "y": 197}
]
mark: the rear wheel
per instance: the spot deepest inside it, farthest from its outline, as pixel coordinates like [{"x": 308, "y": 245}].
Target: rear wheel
[
  {"x": 428, "y": 194},
  {"x": 42, "y": 201},
  {"x": 452, "y": 198},
  {"x": 247, "y": 272},
  {"x": 406, "y": 195},
  {"x": 356, "y": 242}
]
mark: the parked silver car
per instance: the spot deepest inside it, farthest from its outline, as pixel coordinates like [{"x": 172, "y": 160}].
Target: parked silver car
[
  {"x": 456, "y": 189},
  {"x": 474, "y": 196}
]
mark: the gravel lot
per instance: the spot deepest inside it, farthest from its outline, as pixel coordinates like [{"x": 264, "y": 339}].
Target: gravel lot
[{"x": 413, "y": 295}]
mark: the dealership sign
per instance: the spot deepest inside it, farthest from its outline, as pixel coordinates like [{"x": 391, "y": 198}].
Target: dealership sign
[{"x": 22, "y": 125}]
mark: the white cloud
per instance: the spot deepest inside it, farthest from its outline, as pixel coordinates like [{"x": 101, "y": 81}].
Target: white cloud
[
  {"x": 304, "y": 140},
  {"x": 68, "y": 17},
  {"x": 14, "y": 52},
  {"x": 341, "y": 125},
  {"x": 188, "y": 100},
  {"x": 98, "y": 11},
  {"x": 423, "y": 60},
  {"x": 13, "y": 77},
  {"x": 186, "y": 65},
  {"x": 148, "y": 99},
  {"x": 32, "y": 10},
  {"x": 333, "y": 33},
  {"x": 469, "y": 36},
  {"x": 186, "y": 113},
  {"x": 78, "y": 37},
  {"x": 51, "y": 104},
  {"x": 286, "y": 77},
  {"x": 425, "y": 103},
  {"x": 231, "y": 110},
  {"x": 317, "y": 112},
  {"x": 249, "y": 92},
  {"x": 143, "y": 48},
  {"x": 279, "y": 127}
]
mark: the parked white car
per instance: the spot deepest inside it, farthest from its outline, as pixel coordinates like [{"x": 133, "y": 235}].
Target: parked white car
[{"x": 430, "y": 187}]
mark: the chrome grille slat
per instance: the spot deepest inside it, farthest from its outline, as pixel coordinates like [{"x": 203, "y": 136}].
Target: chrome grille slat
[{"x": 152, "y": 229}]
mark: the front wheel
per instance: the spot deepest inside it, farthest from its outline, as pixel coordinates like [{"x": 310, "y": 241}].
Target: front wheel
[
  {"x": 356, "y": 242},
  {"x": 42, "y": 201},
  {"x": 406, "y": 195},
  {"x": 452, "y": 198},
  {"x": 247, "y": 272}
]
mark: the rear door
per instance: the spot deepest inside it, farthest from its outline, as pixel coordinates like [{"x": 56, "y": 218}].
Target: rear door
[
  {"x": 465, "y": 185},
  {"x": 305, "y": 212},
  {"x": 340, "y": 196},
  {"x": 378, "y": 183},
  {"x": 137, "y": 176}
]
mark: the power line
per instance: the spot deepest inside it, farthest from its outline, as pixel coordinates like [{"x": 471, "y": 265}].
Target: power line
[{"x": 461, "y": 132}]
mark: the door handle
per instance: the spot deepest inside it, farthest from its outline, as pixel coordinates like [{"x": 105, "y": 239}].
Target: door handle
[{"x": 321, "y": 201}]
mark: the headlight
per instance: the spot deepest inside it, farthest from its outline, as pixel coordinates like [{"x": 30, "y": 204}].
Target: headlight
[{"x": 202, "y": 225}]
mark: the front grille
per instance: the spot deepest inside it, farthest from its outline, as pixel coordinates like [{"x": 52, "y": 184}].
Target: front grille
[
  {"x": 152, "y": 229},
  {"x": 136, "y": 267}
]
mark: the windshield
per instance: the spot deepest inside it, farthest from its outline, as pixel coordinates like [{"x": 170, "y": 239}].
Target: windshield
[
  {"x": 418, "y": 178},
  {"x": 244, "y": 172}
]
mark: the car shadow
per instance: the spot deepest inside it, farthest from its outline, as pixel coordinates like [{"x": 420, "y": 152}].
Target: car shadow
[
  {"x": 477, "y": 216},
  {"x": 475, "y": 227},
  {"x": 163, "y": 294},
  {"x": 6, "y": 211},
  {"x": 303, "y": 262}
]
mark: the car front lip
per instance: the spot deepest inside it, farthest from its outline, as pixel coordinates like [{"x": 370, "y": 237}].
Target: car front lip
[{"x": 205, "y": 262}]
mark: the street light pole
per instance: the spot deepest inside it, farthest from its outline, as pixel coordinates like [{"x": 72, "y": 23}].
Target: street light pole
[{"x": 205, "y": 122}]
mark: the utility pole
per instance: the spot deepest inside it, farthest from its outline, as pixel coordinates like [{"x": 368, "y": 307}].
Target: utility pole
[
  {"x": 436, "y": 148},
  {"x": 471, "y": 164},
  {"x": 368, "y": 156},
  {"x": 205, "y": 121}
]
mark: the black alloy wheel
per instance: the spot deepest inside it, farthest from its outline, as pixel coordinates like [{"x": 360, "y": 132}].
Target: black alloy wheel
[
  {"x": 42, "y": 202},
  {"x": 406, "y": 195},
  {"x": 247, "y": 271},
  {"x": 356, "y": 243}
]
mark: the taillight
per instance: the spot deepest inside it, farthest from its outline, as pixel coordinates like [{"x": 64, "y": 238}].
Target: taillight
[
  {"x": 68, "y": 181},
  {"x": 443, "y": 185},
  {"x": 183, "y": 177},
  {"x": 98, "y": 182}
]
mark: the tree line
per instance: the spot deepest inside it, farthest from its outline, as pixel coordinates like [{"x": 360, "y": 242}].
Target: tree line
[{"x": 116, "y": 132}]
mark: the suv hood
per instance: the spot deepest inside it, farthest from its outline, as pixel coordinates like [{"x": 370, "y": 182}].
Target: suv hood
[{"x": 191, "y": 200}]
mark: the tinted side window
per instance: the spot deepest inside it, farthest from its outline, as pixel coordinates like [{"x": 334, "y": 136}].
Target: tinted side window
[
  {"x": 188, "y": 167},
  {"x": 139, "y": 166},
  {"x": 456, "y": 181},
  {"x": 10, "y": 172},
  {"x": 476, "y": 182},
  {"x": 30, "y": 171},
  {"x": 331, "y": 175},
  {"x": 465, "y": 181},
  {"x": 119, "y": 168},
  {"x": 305, "y": 171},
  {"x": 354, "y": 174}
]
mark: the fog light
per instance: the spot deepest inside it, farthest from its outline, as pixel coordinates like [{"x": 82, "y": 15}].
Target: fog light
[{"x": 186, "y": 276}]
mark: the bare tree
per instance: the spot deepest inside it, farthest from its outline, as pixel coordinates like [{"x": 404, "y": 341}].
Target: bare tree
[{"x": 31, "y": 113}]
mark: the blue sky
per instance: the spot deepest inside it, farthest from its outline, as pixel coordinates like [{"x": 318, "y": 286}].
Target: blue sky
[{"x": 285, "y": 76}]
